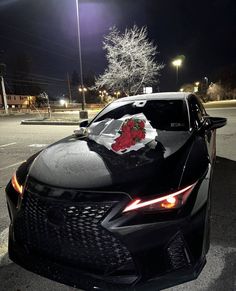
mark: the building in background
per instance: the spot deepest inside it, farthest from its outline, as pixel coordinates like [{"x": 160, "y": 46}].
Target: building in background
[{"x": 18, "y": 101}]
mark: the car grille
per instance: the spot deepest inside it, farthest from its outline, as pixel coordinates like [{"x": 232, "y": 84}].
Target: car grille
[{"x": 71, "y": 233}]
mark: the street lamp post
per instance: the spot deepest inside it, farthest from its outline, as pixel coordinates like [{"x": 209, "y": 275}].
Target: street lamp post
[
  {"x": 83, "y": 90},
  {"x": 205, "y": 87},
  {"x": 177, "y": 63},
  {"x": 206, "y": 81},
  {"x": 196, "y": 87},
  {"x": 103, "y": 94},
  {"x": 80, "y": 60},
  {"x": 117, "y": 94}
]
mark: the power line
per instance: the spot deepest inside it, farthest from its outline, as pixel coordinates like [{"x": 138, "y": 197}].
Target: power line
[
  {"x": 35, "y": 84},
  {"x": 27, "y": 81},
  {"x": 37, "y": 47},
  {"x": 40, "y": 75},
  {"x": 15, "y": 81},
  {"x": 37, "y": 36},
  {"x": 34, "y": 80}
]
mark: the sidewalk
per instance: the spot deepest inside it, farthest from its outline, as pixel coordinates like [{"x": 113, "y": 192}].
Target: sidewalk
[{"x": 220, "y": 104}]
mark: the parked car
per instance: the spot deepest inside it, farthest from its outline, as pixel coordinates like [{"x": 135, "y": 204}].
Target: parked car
[{"x": 92, "y": 218}]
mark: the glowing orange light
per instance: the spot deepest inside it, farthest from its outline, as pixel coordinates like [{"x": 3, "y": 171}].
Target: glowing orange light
[
  {"x": 169, "y": 199},
  {"x": 16, "y": 185},
  {"x": 170, "y": 202}
]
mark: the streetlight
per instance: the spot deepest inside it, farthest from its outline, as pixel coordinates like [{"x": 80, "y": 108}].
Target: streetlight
[
  {"x": 177, "y": 63},
  {"x": 196, "y": 87},
  {"x": 117, "y": 94},
  {"x": 103, "y": 94},
  {"x": 83, "y": 90}
]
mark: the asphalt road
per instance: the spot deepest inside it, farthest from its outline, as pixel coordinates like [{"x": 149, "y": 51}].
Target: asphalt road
[{"x": 17, "y": 142}]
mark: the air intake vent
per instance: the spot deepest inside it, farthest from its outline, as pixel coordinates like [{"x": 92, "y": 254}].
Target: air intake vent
[{"x": 177, "y": 253}]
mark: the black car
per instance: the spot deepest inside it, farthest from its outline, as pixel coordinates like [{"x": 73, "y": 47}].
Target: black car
[{"x": 83, "y": 215}]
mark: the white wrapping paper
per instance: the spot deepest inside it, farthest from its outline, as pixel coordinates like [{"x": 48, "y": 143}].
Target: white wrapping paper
[{"x": 106, "y": 131}]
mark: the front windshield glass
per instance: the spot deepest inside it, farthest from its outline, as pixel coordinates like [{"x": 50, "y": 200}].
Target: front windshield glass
[{"x": 170, "y": 115}]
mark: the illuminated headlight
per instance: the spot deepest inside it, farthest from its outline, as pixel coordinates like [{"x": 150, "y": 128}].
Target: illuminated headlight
[
  {"x": 16, "y": 185},
  {"x": 172, "y": 200}
]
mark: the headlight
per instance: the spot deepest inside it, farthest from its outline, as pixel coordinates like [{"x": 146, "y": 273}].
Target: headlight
[
  {"x": 172, "y": 200},
  {"x": 19, "y": 178},
  {"x": 16, "y": 185}
]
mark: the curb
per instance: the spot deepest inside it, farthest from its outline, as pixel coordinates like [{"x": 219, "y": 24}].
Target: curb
[{"x": 41, "y": 122}]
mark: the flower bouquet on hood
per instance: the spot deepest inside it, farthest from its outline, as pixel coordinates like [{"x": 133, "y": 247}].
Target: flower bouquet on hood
[{"x": 129, "y": 133}]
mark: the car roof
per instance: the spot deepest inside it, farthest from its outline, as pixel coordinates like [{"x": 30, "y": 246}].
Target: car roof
[{"x": 157, "y": 96}]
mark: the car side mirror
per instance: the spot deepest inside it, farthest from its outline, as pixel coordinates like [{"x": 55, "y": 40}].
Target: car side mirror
[
  {"x": 82, "y": 128},
  {"x": 84, "y": 123},
  {"x": 215, "y": 122}
]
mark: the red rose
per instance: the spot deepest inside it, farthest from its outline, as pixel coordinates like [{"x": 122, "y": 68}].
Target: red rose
[
  {"x": 125, "y": 128},
  {"x": 115, "y": 147},
  {"x": 126, "y": 142},
  {"x": 127, "y": 134},
  {"x": 130, "y": 123},
  {"x": 139, "y": 134},
  {"x": 133, "y": 142},
  {"x": 141, "y": 124},
  {"x": 132, "y": 131},
  {"x": 143, "y": 135},
  {"x": 118, "y": 139}
]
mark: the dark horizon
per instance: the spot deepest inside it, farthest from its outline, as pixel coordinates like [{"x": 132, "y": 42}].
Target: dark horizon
[{"x": 46, "y": 34}]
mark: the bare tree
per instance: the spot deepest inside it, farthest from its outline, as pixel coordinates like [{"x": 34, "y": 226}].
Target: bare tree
[
  {"x": 216, "y": 92},
  {"x": 131, "y": 61}
]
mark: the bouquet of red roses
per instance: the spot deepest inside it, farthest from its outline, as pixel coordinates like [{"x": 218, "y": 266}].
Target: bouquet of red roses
[
  {"x": 122, "y": 135},
  {"x": 131, "y": 132}
]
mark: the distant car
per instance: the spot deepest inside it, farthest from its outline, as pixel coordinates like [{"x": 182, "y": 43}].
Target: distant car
[{"x": 83, "y": 215}]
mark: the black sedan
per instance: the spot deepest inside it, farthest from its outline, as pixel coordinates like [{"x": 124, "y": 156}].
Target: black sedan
[{"x": 86, "y": 216}]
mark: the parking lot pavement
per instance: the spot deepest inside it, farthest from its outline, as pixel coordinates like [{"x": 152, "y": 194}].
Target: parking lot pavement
[{"x": 17, "y": 142}]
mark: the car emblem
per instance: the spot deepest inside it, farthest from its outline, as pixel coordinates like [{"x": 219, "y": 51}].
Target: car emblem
[{"x": 55, "y": 216}]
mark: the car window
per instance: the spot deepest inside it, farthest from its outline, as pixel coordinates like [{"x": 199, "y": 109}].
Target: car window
[
  {"x": 197, "y": 111},
  {"x": 168, "y": 115},
  {"x": 200, "y": 106}
]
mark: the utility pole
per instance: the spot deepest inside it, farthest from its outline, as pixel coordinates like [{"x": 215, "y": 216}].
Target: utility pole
[
  {"x": 69, "y": 89},
  {"x": 4, "y": 96}
]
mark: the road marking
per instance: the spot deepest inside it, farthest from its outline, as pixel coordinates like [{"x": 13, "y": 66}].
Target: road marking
[
  {"x": 38, "y": 145},
  {"x": 13, "y": 165},
  {"x": 6, "y": 145},
  {"x": 4, "y": 259}
]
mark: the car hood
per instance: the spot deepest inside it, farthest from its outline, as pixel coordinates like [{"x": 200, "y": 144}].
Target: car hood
[{"x": 83, "y": 164}]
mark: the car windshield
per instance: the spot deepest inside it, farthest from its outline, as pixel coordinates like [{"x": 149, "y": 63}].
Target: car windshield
[{"x": 170, "y": 115}]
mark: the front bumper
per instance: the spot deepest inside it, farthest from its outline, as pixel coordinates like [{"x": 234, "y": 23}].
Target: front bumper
[
  {"x": 87, "y": 281},
  {"x": 164, "y": 253}
]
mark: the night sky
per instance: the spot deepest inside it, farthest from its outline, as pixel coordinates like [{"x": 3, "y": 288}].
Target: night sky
[{"x": 45, "y": 32}]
